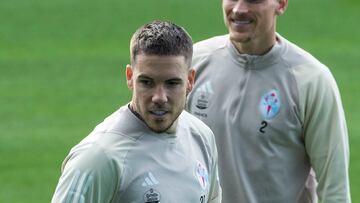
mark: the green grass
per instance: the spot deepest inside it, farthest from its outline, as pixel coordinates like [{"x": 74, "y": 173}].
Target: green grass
[{"x": 62, "y": 71}]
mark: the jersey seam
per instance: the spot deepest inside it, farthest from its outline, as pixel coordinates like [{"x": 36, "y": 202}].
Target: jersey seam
[
  {"x": 106, "y": 153},
  {"x": 294, "y": 79},
  {"x": 123, "y": 135},
  {"x": 122, "y": 170}
]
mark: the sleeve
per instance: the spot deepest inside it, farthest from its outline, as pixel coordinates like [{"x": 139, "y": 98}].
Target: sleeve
[
  {"x": 215, "y": 195},
  {"x": 199, "y": 63},
  {"x": 87, "y": 176},
  {"x": 325, "y": 133}
]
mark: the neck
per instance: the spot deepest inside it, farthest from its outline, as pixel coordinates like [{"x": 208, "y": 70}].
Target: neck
[
  {"x": 258, "y": 46},
  {"x": 134, "y": 112},
  {"x": 251, "y": 50},
  {"x": 170, "y": 130}
]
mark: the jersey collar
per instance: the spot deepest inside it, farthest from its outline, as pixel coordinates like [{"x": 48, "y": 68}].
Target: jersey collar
[{"x": 257, "y": 61}]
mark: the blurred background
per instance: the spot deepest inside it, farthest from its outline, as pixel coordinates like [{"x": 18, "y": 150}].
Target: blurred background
[{"x": 62, "y": 66}]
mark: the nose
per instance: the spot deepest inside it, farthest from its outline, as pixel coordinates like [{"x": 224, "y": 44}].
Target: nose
[
  {"x": 240, "y": 7},
  {"x": 160, "y": 95}
]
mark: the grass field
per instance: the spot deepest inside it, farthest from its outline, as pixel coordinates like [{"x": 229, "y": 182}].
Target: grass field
[{"x": 62, "y": 71}]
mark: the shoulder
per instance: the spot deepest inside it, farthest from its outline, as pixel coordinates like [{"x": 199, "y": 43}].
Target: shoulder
[
  {"x": 294, "y": 56},
  {"x": 305, "y": 67},
  {"x": 107, "y": 144},
  {"x": 208, "y": 47},
  {"x": 209, "y": 52},
  {"x": 194, "y": 123},
  {"x": 122, "y": 122},
  {"x": 89, "y": 172},
  {"x": 211, "y": 44},
  {"x": 98, "y": 152},
  {"x": 315, "y": 83},
  {"x": 200, "y": 134},
  {"x": 87, "y": 156},
  {"x": 197, "y": 128}
]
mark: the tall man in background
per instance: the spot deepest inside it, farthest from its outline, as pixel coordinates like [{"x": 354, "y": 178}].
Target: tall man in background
[
  {"x": 275, "y": 111},
  {"x": 150, "y": 150}
]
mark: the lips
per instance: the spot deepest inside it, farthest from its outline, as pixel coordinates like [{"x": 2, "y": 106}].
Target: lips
[
  {"x": 241, "y": 22},
  {"x": 240, "y": 19},
  {"x": 158, "y": 112}
]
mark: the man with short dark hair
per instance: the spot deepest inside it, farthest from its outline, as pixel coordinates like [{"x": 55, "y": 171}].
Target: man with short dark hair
[
  {"x": 275, "y": 111},
  {"x": 150, "y": 150}
]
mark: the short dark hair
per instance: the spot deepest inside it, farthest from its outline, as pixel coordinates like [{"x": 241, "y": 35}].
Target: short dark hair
[{"x": 161, "y": 38}]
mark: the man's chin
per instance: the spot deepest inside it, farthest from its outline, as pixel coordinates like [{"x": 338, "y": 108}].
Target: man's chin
[
  {"x": 239, "y": 37},
  {"x": 159, "y": 128},
  {"x": 169, "y": 127}
]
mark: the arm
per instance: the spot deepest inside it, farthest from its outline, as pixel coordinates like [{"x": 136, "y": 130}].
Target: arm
[
  {"x": 215, "y": 194},
  {"x": 215, "y": 189},
  {"x": 325, "y": 133},
  {"x": 87, "y": 176}
]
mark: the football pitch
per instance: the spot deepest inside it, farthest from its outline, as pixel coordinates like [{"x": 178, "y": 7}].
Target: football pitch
[{"x": 62, "y": 66}]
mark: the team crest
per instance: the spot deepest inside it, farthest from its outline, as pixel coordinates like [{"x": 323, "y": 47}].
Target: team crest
[
  {"x": 202, "y": 175},
  {"x": 270, "y": 104}
]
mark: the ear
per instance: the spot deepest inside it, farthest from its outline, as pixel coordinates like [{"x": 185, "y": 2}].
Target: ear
[
  {"x": 191, "y": 80},
  {"x": 282, "y": 5},
  {"x": 129, "y": 76}
]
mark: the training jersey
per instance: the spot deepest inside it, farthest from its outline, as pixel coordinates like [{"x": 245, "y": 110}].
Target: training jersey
[
  {"x": 277, "y": 118},
  {"x": 123, "y": 161}
]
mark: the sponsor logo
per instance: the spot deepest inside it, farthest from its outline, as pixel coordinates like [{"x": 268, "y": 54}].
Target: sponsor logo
[
  {"x": 204, "y": 115},
  {"x": 152, "y": 196},
  {"x": 202, "y": 175},
  {"x": 202, "y": 100},
  {"x": 270, "y": 104},
  {"x": 150, "y": 180},
  {"x": 203, "y": 95}
]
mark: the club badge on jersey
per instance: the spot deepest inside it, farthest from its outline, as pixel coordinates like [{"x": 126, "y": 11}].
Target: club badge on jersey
[
  {"x": 270, "y": 104},
  {"x": 269, "y": 107},
  {"x": 202, "y": 175}
]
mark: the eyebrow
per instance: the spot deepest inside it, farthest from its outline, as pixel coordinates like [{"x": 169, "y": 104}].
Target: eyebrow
[
  {"x": 144, "y": 77},
  {"x": 150, "y": 78},
  {"x": 175, "y": 79}
]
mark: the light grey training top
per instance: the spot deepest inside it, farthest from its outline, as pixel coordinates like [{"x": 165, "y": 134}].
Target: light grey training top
[
  {"x": 275, "y": 118},
  {"x": 123, "y": 161}
]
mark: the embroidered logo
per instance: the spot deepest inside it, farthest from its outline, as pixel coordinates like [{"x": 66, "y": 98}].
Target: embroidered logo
[
  {"x": 202, "y": 95},
  {"x": 152, "y": 196},
  {"x": 270, "y": 104},
  {"x": 202, "y": 175},
  {"x": 150, "y": 180}
]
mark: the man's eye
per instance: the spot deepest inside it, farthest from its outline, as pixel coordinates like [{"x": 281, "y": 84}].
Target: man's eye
[
  {"x": 173, "y": 83},
  {"x": 145, "y": 82},
  {"x": 254, "y": 1}
]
